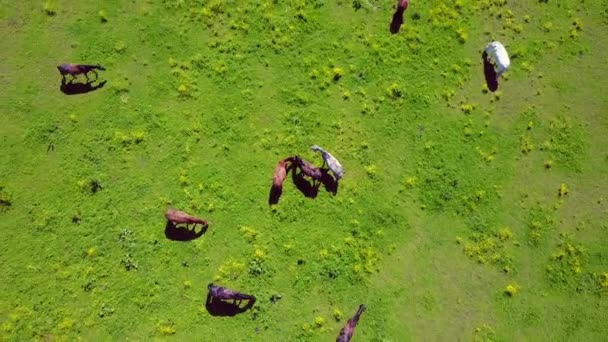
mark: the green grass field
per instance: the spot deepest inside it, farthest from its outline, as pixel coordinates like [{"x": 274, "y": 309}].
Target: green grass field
[{"x": 463, "y": 214}]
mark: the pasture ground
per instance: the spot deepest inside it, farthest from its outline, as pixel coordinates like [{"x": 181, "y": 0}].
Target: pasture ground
[{"x": 452, "y": 197}]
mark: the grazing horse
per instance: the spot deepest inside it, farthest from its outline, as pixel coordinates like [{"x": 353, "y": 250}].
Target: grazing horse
[
  {"x": 176, "y": 217},
  {"x": 308, "y": 189},
  {"x": 398, "y": 16},
  {"x": 280, "y": 172},
  {"x": 278, "y": 177},
  {"x": 222, "y": 293},
  {"x": 332, "y": 163},
  {"x": 308, "y": 169},
  {"x": 500, "y": 56},
  {"x": 347, "y": 332},
  {"x": 77, "y": 69}
]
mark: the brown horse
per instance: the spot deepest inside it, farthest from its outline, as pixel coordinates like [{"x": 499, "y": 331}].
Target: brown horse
[
  {"x": 77, "y": 69},
  {"x": 398, "y": 16},
  {"x": 307, "y": 188},
  {"x": 176, "y": 217},
  {"x": 278, "y": 177},
  {"x": 347, "y": 332},
  {"x": 280, "y": 172}
]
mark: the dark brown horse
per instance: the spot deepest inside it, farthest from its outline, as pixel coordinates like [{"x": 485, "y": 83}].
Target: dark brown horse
[
  {"x": 217, "y": 303},
  {"x": 347, "y": 332},
  {"x": 306, "y": 187},
  {"x": 308, "y": 169},
  {"x": 398, "y": 16},
  {"x": 317, "y": 174},
  {"x": 222, "y": 293},
  {"x": 77, "y": 69}
]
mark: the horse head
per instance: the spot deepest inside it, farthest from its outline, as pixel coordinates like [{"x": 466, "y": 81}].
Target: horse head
[{"x": 316, "y": 148}]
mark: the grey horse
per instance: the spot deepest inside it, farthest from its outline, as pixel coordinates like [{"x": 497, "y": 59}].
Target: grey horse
[{"x": 332, "y": 163}]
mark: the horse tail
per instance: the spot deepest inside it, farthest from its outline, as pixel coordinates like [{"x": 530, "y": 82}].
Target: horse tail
[{"x": 93, "y": 66}]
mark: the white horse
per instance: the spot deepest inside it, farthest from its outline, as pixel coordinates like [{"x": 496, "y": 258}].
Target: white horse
[
  {"x": 334, "y": 165},
  {"x": 500, "y": 56}
]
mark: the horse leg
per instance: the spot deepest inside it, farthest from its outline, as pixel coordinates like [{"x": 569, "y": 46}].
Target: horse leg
[
  {"x": 316, "y": 184},
  {"x": 209, "y": 299}
]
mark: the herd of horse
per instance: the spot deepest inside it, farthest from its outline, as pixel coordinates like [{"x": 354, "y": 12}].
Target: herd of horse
[
  {"x": 306, "y": 176},
  {"x": 227, "y": 302},
  {"x": 317, "y": 175}
]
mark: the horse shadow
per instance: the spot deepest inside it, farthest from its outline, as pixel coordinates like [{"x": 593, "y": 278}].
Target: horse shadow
[
  {"x": 275, "y": 194},
  {"x": 308, "y": 189},
  {"x": 71, "y": 88},
  {"x": 180, "y": 233},
  {"x": 397, "y": 20},
  {"x": 277, "y": 191},
  {"x": 223, "y": 308},
  {"x": 329, "y": 182},
  {"x": 489, "y": 73},
  {"x": 311, "y": 190}
]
